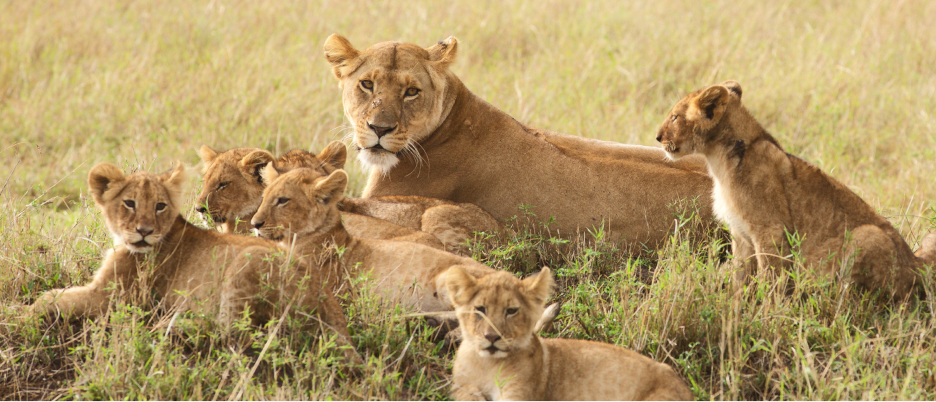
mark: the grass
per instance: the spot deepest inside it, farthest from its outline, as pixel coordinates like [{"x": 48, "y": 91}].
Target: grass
[{"x": 849, "y": 86}]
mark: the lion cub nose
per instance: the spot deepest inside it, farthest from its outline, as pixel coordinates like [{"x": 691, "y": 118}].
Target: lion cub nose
[
  {"x": 492, "y": 337},
  {"x": 258, "y": 225},
  {"x": 201, "y": 209},
  {"x": 659, "y": 137},
  {"x": 381, "y": 131},
  {"x": 144, "y": 231}
]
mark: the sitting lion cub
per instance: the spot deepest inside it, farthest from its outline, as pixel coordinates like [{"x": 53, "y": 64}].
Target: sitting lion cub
[
  {"x": 766, "y": 195},
  {"x": 233, "y": 189},
  {"x": 500, "y": 357},
  {"x": 193, "y": 268}
]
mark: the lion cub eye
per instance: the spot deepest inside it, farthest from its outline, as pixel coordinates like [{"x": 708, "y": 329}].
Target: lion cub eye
[
  {"x": 282, "y": 201},
  {"x": 675, "y": 116},
  {"x": 160, "y": 206},
  {"x": 481, "y": 309},
  {"x": 412, "y": 92},
  {"x": 324, "y": 200},
  {"x": 367, "y": 84},
  {"x": 512, "y": 311},
  {"x": 129, "y": 204},
  {"x": 223, "y": 185}
]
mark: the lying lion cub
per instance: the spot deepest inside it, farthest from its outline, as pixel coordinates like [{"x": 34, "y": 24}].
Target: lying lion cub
[
  {"x": 766, "y": 194},
  {"x": 501, "y": 358},
  {"x": 192, "y": 268},
  {"x": 233, "y": 189}
]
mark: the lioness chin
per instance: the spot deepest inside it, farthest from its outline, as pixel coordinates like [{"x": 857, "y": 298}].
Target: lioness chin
[
  {"x": 767, "y": 196},
  {"x": 423, "y": 133},
  {"x": 501, "y": 358}
]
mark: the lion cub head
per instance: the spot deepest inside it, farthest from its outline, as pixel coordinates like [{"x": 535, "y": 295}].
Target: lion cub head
[
  {"x": 139, "y": 209},
  {"x": 693, "y": 120},
  {"x": 394, "y": 94},
  {"x": 498, "y": 312},
  {"x": 301, "y": 202},
  {"x": 233, "y": 185}
]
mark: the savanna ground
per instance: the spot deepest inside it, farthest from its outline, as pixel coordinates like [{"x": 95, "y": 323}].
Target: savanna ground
[{"x": 849, "y": 86}]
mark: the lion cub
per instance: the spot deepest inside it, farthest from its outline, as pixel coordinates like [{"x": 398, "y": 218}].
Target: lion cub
[
  {"x": 233, "y": 189},
  {"x": 766, "y": 195},
  {"x": 500, "y": 357},
  {"x": 193, "y": 268}
]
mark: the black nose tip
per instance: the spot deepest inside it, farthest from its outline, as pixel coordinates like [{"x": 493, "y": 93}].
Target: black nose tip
[
  {"x": 492, "y": 337},
  {"x": 381, "y": 131},
  {"x": 201, "y": 209},
  {"x": 144, "y": 232},
  {"x": 258, "y": 225},
  {"x": 660, "y": 138}
]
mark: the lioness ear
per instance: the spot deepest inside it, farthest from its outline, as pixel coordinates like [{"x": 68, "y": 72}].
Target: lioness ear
[
  {"x": 335, "y": 154},
  {"x": 207, "y": 154},
  {"x": 105, "y": 181},
  {"x": 734, "y": 87},
  {"x": 333, "y": 186},
  {"x": 460, "y": 285},
  {"x": 707, "y": 108},
  {"x": 539, "y": 286},
  {"x": 255, "y": 161},
  {"x": 444, "y": 52},
  {"x": 174, "y": 179},
  {"x": 268, "y": 174},
  {"x": 341, "y": 55}
]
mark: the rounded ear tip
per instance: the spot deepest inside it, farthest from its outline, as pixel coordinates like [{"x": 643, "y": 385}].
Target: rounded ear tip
[{"x": 733, "y": 86}]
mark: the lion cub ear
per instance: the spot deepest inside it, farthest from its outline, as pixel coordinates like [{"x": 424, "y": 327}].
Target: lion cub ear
[
  {"x": 255, "y": 161},
  {"x": 268, "y": 174},
  {"x": 174, "y": 180},
  {"x": 444, "y": 52},
  {"x": 734, "y": 87},
  {"x": 335, "y": 154},
  {"x": 105, "y": 181},
  {"x": 460, "y": 285},
  {"x": 707, "y": 109},
  {"x": 332, "y": 187},
  {"x": 341, "y": 55},
  {"x": 207, "y": 154},
  {"x": 539, "y": 286}
]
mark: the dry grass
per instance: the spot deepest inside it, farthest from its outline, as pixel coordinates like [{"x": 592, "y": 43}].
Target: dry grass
[{"x": 849, "y": 86}]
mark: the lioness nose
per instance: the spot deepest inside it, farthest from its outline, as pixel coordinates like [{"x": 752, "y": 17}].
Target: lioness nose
[
  {"x": 144, "y": 231},
  {"x": 492, "y": 337},
  {"x": 381, "y": 131},
  {"x": 201, "y": 209},
  {"x": 258, "y": 225}
]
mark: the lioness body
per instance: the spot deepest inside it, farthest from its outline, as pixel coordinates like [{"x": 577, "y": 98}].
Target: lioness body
[
  {"x": 191, "y": 268},
  {"x": 767, "y": 195},
  {"x": 445, "y": 142},
  {"x": 233, "y": 189},
  {"x": 501, "y": 358}
]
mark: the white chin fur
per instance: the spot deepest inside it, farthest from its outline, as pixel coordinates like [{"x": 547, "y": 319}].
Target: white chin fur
[
  {"x": 672, "y": 156},
  {"x": 135, "y": 249},
  {"x": 497, "y": 355},
  {"x": 383, "y": 161}
]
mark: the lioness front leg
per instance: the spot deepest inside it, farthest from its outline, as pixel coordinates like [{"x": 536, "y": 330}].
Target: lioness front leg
[{"x": 117, "y": 273}]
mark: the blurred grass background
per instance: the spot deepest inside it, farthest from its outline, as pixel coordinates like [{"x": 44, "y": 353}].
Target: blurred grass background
[{"x": 847, "y": 85}]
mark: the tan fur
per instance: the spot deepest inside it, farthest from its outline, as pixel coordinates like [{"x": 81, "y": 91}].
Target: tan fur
[
  {"x": 764, "y": 194},
  {"x": 447, "y": 143},
  {"x": 303, "y": 205},
  {"x": 435, "y": 223},
  {"x": 191, "y": 268},
  {"x": 501, "y": 358}
]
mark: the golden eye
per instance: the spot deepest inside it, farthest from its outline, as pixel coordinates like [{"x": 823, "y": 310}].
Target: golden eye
[
  {"x": 481, "y": 309},
  {"x": 675, "y": 116},
  {"x": 223, "y": 185},
  {"x": 161, "y": 206},
  {"x": 129, "y": 204},
  {"x": 367, "y": 84},
  {"x": 412, "y": 92},
  {"x": 512, "y": 311},
  {"x": 282, "y": 201}
]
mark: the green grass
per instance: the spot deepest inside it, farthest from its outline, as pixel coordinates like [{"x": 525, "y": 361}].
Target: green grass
[{"x": 849, "y": 86}]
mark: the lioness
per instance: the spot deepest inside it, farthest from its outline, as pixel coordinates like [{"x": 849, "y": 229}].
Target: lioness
[
  {"x": 233, "y": 189},
  {"x": 422, "y": 132},
  {"x": 500, "y": 357},
  {"x": 766, "y": 195},
  {"x": 192, "y": 268}
]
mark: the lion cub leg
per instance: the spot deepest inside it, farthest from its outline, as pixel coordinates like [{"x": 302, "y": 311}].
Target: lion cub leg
[
  {"x": 879, "y": 264},
  {"x": 927, "y": 251},
  {"x": 116, "y": 273},
  {"x": 772, "y": 249}
]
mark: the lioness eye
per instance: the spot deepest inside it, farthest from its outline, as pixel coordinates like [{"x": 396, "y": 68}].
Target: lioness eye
[
  {"x": 481, "y": 309},
  {"x": 223, "y": 185},
  {"x": 130, "y": 203},
  {"x": 282, "y": 201},
  {"x": 412, "y": 92},
  {"x": 367, "y": 84},
  {"x": 160, "y": 206},
  {"x": 512, "y": 311}
]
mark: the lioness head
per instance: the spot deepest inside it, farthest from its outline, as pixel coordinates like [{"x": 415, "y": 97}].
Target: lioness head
[
  {"x": 498, "y": 312},
  {"x": 300, "y": 202},
  {"x": 394, "y": 94},
  {"x": 139, "y": 209},
  {"x": 233, "y": 184},
  {"x": 693, "y": 119}
]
